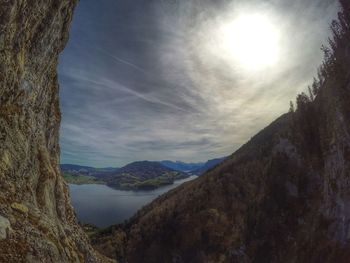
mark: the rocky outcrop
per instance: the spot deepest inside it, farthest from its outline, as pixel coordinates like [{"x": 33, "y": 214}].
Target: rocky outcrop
[
  {"x": 37, "y": 222},
  {"x": 282, "y": 197}
]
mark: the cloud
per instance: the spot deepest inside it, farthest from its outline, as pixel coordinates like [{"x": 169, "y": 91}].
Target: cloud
[
  {"x": 110, "y": 55},
  {"x": 143, "y": 80}
]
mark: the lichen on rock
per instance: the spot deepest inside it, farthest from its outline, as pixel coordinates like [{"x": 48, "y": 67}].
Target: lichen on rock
[{"x": 20, "y": 208}]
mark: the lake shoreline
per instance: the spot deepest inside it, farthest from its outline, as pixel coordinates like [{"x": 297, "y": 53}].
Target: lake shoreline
[
  {"x": 80, "y": 180},
  {"x": 103, "y": 206}
]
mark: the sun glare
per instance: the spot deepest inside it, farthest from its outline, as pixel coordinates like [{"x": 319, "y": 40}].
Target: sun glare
[{"x": 252, "y": 41}]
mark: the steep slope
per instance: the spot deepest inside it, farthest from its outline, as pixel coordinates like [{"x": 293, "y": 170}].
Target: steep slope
[
  {"x": 142, "y": 175},
  {"x": 282, "y": 197},
  {"x": 37, "y": 222}
]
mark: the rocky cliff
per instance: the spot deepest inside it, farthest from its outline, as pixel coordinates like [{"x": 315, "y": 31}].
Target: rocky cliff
[
  {"x": 37, "y": 222},
  {"x": 282, "y": 197}
]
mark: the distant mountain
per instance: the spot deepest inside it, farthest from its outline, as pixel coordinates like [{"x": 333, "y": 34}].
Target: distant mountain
[
  {"x": 77, "y": 169},
  {"x": 77, "y": 174},
  {"x": 182, "y": 166},
  {"x": 143, "y": 175},
  {"x": 86, "y": 170},
  {"x": 208, "y": 165}
]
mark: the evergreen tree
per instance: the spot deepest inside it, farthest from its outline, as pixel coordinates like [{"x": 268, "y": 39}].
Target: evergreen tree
[
  {"x": 302, "y": 101},
  {"x": 311, "y": 94},
  {"x": 291, "y": 107}
]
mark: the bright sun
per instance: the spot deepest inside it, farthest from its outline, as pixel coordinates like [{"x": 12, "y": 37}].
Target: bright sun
[{"x": 252, "y": 41}]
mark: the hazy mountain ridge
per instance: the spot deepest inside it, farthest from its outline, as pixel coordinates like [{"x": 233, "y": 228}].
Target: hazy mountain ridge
[
  {"x": 208, "y": 165},
  {"x": 282, "y": 197},
  {"x": 195, "y": 168},
  {"x": 87, "y": 170},
  {"x": 182, "y": 166},
  {"x": 136, "y": 174}
]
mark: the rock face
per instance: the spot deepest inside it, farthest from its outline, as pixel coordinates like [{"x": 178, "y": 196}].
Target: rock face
[
  {"x": 282, "y": 197},
  {"x": 34, "y": 199}
]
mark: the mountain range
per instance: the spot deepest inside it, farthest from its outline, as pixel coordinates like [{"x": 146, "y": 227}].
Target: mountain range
[
  {"x": 191, "y": 168},
  {"x": 143, "y": 175},
  {"x": 182, "y": 166},
  {"x": 86, "y": 170}
]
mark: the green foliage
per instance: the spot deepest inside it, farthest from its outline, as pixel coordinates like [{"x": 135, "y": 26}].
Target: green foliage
[
  {"x": 80, "y": 179},
  {"x": 128, "y": 181}
]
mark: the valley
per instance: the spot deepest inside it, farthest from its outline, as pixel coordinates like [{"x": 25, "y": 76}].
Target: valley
[{"x": 142, "y": 175}]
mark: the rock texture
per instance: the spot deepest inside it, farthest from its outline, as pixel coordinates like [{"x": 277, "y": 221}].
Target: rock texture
[
  {"x": 37, "y": 222},
  {"x": 5, "y": 227},
  {"x": 282, "y": 197}
]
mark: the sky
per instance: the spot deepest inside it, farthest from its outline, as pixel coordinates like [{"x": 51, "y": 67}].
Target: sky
[{"x": 152, "y": 79}]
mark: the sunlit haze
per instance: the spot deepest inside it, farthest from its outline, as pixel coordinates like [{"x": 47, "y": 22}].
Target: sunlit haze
[
  {"x": 251, "y": 40},
  {"x": 187, "y": 80}
]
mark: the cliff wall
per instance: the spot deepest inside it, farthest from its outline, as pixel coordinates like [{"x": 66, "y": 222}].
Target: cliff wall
[{"x": 37, "y": 222}]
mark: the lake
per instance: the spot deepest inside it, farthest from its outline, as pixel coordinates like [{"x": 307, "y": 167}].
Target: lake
[{"x": 103, "y": 206}]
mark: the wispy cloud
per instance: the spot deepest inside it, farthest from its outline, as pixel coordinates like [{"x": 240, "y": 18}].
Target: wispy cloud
[
  {"x": 118, "y": 59},
  {"x": 143, "y": 80}
]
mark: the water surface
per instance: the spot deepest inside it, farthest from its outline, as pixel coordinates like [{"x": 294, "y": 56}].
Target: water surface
[{"x": 104, "y": 206}]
